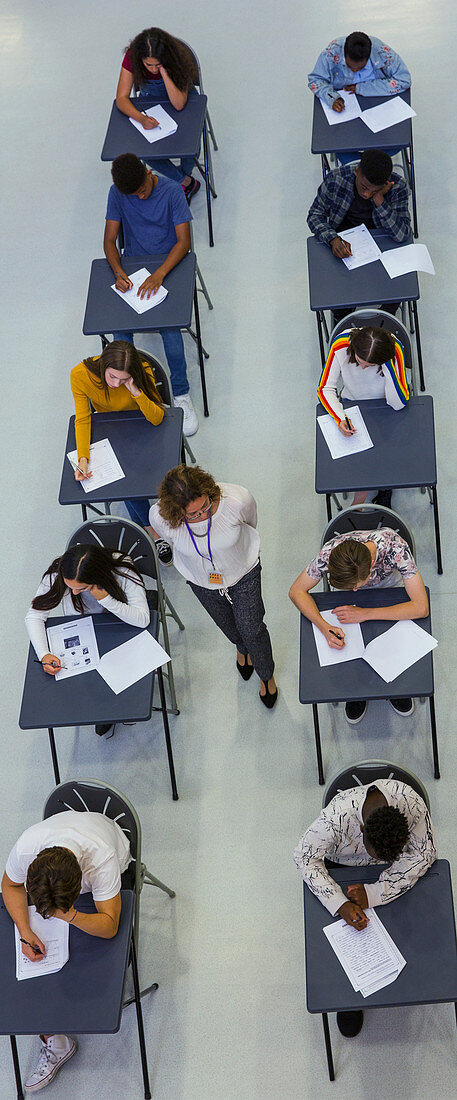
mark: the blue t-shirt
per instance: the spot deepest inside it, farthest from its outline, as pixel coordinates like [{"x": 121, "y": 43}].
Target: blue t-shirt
[{"x": 149, "y": 224}]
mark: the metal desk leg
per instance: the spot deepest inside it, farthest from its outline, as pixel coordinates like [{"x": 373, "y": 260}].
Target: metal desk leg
[
  {"x": 436, "y": 517},
  {"x": 163, "y": 703},
  {"x": 17, "y": 1072},
  {"x": 207, "y": 185},
  {"x": 55, "y": 763},
  {"x": 413, "y": 187},
  {"x": 325, "y": 165},
  {"x": 436, "y": 763},
  {"x": 317, "y": 737},
  {"x": 84, "y": 512},
  {"x": 319, "y": 333},
  {"x": 139, "y": 1018},
  {"x": 328, "y": 501},
  {"x": 200, "y": 353},
  {"x": 419, "y": 348},
  {"x": 455, "y": 1010},
  {"x": 328, "y": 1047}
]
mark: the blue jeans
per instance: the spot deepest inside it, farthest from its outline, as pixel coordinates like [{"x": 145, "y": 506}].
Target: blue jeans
[
  {"x": 138, "y": 510},
  {"x": 174, "y": 351}
]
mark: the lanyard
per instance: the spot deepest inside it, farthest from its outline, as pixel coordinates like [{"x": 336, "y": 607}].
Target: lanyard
[{"x": 209, "y": 555}]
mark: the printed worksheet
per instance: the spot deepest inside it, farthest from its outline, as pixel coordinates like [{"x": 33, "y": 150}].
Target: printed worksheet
[
  {"x": 75, "y": 644},
  {"x": 166, "y": 124},
  {"x": 351, "y": 111},
  {"x": 53, "y": 934},
  {"x": 339, "y": 445},
  {"x": 353, "y": 648},
  {"x": 363, "y": 246},
  {"x": 370, "y": 958},
  {"x": 140, "y": 305},
  {"x": 103, "y": 465}
]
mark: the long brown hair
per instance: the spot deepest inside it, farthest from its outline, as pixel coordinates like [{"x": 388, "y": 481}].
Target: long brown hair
[
  {"x": 349, "y": 564},
  {"x": 120, "y": 355},
  {"x": 180, "y": 487},
  {"x": 89, "y": 565},
  {"x": 172, "y": 54},
  {"x": 372, "y": 344}
]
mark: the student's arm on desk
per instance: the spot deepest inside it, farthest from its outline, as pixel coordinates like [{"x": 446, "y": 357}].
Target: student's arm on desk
[
  {"x": 175, "y": 255},
  {"x": 15, "y": 898},
  {"x": 319, "y": 215},
  {"x": 299, "y": 594},
  {"x": 321, "y": 840},
  {"x": 415, "y": 608},
  {"x": 391, "y": 211},
  {"x": 124, "y": 103},
  {"x": 112, "y": 254},
  {"x": 103, "y": 923}
]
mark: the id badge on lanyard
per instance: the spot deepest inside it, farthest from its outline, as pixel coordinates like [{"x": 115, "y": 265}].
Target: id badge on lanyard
[{"x": 215, "y": 579}]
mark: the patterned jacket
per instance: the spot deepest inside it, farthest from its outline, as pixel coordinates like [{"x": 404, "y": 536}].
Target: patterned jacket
[
  {"x": 334, "y": 197},
  {"x": 331, "y": 72}
]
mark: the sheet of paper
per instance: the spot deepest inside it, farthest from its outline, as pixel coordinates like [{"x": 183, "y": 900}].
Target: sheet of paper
[
  {"x": 369, "y": 958},
  {"x": 140, "y": 305},
  {"x": 341, "y": 445},
  {"x": 353, "y": 642},
  {"x": 53, "y": 934},
  {"x": 351, "y": 111},
  {"x": 387, "y": 114},
  {"x": 75, "y": 644},
  {"x": 128, "y": 663},
  {"x": 397, "y": 649},
  {"x": 167, "y": 124},
  {"x": 412, "y": 257},
  {"x": 103, "y": 464},
  {"x": 363, "y": 245}
]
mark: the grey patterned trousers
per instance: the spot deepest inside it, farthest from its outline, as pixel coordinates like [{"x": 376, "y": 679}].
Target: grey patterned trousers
[{"x": 242, "y": 620}]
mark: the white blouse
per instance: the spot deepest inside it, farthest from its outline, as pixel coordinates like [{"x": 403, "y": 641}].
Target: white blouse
[
  {"x": 234, "y": 540},
  {"x": 358, "y": 384},
  {"x": 135, "y": 611}
]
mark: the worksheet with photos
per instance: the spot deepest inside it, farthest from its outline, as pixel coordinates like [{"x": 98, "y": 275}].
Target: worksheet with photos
[{"x": 75, "y": 644}]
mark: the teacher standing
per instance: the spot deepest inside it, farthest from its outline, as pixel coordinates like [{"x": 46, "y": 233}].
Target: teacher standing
[{"x": 212, "y": 527}]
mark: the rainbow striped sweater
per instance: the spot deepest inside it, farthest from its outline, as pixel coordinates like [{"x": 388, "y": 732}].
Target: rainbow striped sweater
[{"x": 360, "y": 384}]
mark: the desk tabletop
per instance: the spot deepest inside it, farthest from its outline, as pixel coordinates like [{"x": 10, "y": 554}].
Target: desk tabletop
[
  {"x": 122, "y": 137},
  {"x": 84, "y": 997},
  {"x": 107, "y": 312},
  {"x": 428, "y": 945},
  {"x": 87, "y": 699},
  {"x": 145, "y": 451},
  {"x": 333, "y": 286},
  {"x": 356, "y": 679},
  {"x": 349, "y": 137},
  {"x": 403, "y": 453}
]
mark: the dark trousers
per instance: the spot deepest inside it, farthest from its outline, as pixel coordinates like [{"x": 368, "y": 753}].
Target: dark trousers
[{"x": 241, "y": 620}]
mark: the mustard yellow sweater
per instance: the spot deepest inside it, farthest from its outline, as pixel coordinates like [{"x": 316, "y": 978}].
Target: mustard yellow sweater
[{"x": 85, "y": 387}]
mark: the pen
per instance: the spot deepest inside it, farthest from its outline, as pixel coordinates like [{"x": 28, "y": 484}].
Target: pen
[
  {"x": 348, "y": 424},
  {"x": 54, "y": 665},
  {"x": 76, "y": 467},
  {"x": 335, "y": 635},
  {"x": 35, "y": 949}
]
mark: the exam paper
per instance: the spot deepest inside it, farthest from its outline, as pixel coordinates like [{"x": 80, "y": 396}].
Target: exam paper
[
  {"x": 140, "y": 305},
  {"x": 387, "y": 114},
  {"x": 167, "y": 124},
  {"x": 53, "y": 933},
  {"x": 363, "y": 246},
  {"x": 129, "y": 662},
  {"x": 412, "y": 257},
  {"x": 370, "y": 958},
  {"x": 341, "y": 445},
  {"x": 392, "y": 652},
  {"x": 103, "y": 465},
  {"x": 75, "y": 644},
  {"x": 353, "y": 642},
  {"x": 352, "y": 109}
]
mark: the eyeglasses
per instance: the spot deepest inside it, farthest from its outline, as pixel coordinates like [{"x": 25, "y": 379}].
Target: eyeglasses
[{"x": 201, "y": 511}]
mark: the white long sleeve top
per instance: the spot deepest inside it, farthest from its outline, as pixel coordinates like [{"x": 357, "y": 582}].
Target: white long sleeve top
[
  {"x": 135, "y": 611},
  {"x": 361, "y": 384},
  {"x": 337, "y": 835},
  {"x": 234, "y": 540}
]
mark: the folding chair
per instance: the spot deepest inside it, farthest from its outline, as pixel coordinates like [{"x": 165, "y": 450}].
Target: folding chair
[
  {"x": 366, "y": 517},
  {"x": 367, "y": 771}
]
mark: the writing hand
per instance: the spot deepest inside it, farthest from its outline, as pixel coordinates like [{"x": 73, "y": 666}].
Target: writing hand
[
  {"x": 349, "y": 614},
  {"x": 27, "y": 948},
  {"x": 98, "y": 593},
  {"x": 353, "y": 915},
  {"x": 148, "y": 123},
  {"x": 341, "y": 249},
  {"x": 357, "y": 894},
  {"x": 130, "y": 386},
  {"x": 82, "y": 463},
  {"x": 343, "y": 428},
  {"x": 334, "y": 636},
  {"x": 338, "y": 105},
  {"x": 151, "y": 284},
  {"x": 51, "y": 663},
  {"x": 123, "y": 282},
  {"x": 349, "y": 87},
  {"x": 378, "y": 197}
]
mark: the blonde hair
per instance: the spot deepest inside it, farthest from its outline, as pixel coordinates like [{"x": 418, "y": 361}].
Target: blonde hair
[{"x": 349, "y": 564}]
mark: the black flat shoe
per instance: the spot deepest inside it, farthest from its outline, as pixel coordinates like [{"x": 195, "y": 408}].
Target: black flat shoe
[
  {"x": 350, "y": 1023},
  {"x": 269, "y": 699},
  {"x": 245, "y": 670},
  {"x": 102, "y": 727}
]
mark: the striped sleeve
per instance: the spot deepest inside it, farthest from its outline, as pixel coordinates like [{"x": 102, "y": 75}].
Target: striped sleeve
[
  {"x": 397, "y": 375},
  {"x": 326, "y": 390}
]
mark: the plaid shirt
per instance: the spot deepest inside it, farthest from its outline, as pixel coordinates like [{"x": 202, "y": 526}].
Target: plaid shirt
[{"x": 334, "y": 198}]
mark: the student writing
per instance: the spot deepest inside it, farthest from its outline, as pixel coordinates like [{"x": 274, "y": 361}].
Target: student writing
[{"x": 357, "y": 64}]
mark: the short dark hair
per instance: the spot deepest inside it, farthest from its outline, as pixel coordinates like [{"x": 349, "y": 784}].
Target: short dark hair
[
  {"x": 375, "y": 165},
  {"x": 128, "y": 173},
  {"x": 54, "y": 881},
  {"x": 386, "y": 830},
  {"x": 357, "y": 46}
]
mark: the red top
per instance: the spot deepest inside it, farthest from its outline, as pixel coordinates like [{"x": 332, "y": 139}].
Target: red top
[{"x": 127, "y": 64}]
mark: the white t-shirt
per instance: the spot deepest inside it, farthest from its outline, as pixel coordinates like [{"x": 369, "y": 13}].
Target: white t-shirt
[
  {"x": 235, "y": 542},
  {"x": 100, "y": 846}
]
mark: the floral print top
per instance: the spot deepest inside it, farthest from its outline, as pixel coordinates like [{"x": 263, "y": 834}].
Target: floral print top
[{"x": 392, "y": 552}]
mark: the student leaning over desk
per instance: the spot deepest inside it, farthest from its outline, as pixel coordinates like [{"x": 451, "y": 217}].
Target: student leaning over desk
[
  {"x": 86, "y": 579},
  {"x": 54, "y": 862},
  {"x": 357, "y": 64}
]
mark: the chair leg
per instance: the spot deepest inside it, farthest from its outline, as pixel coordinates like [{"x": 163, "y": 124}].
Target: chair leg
[
  {"x": 195, "y": 339},
  {"x": 188, "y": 450},
  {"x": 173, "y": 612},
  {"x": 151, "y": 880},
  {"x": 139, "y": 1020},
  {"x": 211, "y": 130},
  {"x": 166, "y": 728},
  {"x": 203, "y": 288}
]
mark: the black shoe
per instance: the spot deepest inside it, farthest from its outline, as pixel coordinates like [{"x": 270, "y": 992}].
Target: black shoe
[
  {"x": 245, "y": 670},
  {"x": 405, "y": 707},
  {"x": 269, "y": 699},
  {"x": 191, "y": 189},
  {"x": 164, "y": 551},
  {"x": 383, "y": 497},
  {"x": 355, "y": 711},
  {"x": 350, "y": 1023},
  {"x": 102, "y": 727}
]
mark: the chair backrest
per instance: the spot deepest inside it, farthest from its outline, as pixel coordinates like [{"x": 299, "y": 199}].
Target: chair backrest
[
  {"x": 162, "y": 380},
  {"x": 91, "y": 795},
  {"x": 364, "y": 318},
  {"x": 368, "y": 517},
  {"x": 117, "y": 533},
  {"x": 367, "y": 771}
]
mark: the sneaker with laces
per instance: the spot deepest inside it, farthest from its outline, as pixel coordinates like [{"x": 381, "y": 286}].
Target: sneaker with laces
[
  {"x": 184, "y": 402},
  {"x": 404, "y": 707},
  {"x": 164, "y": 551},
  {"x": 355, "y": 711},
  {"x": 191, "y": 189},
  {"x": 54, "y": 1052}
]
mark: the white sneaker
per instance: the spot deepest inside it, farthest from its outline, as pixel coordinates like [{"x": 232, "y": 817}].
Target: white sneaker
[
  {"x": 57, "y": 1050},
  {"x": 190, "y": 425}
]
